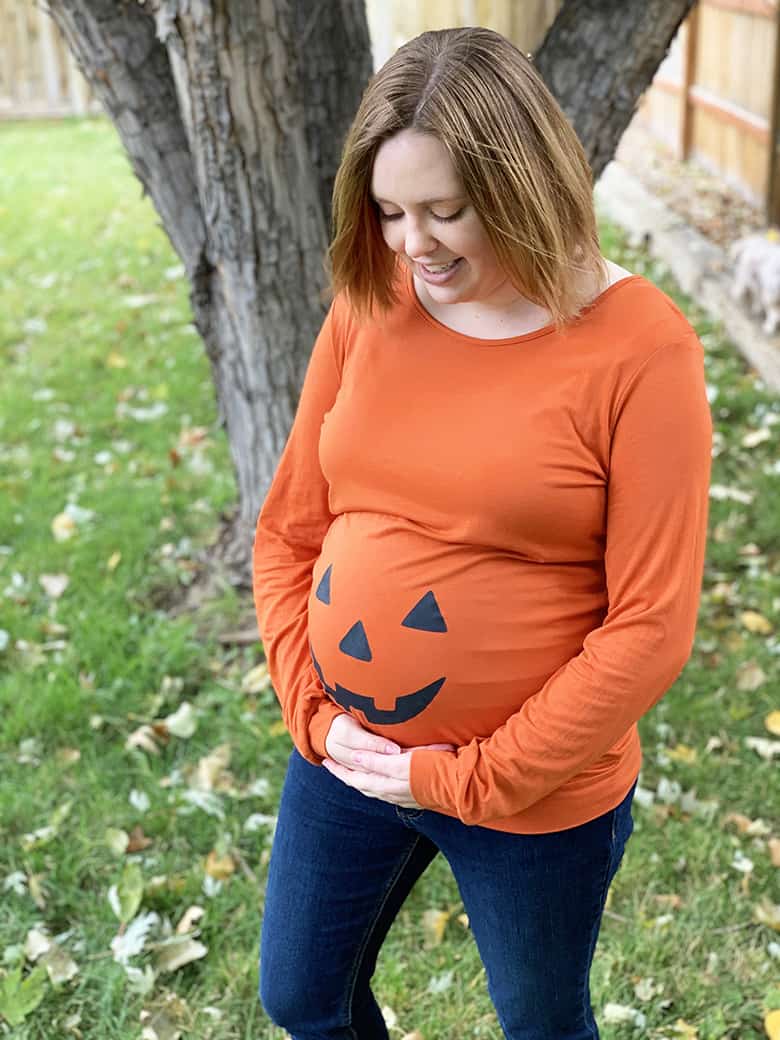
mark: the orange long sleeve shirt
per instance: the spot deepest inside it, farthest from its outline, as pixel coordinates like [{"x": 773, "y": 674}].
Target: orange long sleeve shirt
[{"x": 496, "y": 544}]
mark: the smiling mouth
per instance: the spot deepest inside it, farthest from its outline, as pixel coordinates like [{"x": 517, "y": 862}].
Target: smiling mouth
[{"x": 406, "y": 707}]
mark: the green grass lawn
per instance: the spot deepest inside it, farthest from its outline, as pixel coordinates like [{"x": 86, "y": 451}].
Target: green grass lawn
[{"x": 108, "y": 434}]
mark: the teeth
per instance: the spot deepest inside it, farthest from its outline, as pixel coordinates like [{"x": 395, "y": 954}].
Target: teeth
[{"x": 439, "y": 267}]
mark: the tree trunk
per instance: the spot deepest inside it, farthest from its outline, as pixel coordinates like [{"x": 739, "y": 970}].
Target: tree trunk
[
  {"x": 599, "y": 57},
  {"x": 233, "y": 113}
]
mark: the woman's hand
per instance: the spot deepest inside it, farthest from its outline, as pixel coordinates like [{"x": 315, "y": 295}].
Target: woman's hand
[{"x": 375, "y": 766}]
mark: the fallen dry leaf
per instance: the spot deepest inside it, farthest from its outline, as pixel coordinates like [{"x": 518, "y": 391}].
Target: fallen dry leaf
[
  {"x": 209, "y": 771},
  {"x": 167, "y": 1019},
  {"x": 137, "y": 840},
  {"x": 774, "y": 851},
  {"x": 130, "y": 941},
  {"x": 683, "y": 1028},
  {"x": 36, "y": 890},
  {"x": 67, "y": 756},
  {"x": 220, "y": 867},
  {"x": 750, "y": 676},
  {"x": 768, "y": 913},
  {"x": 113, "y": 561},
  {"x": 434, "y": 923},
  {"x": 772, "y": 1025},
  {"x": 390, "y": 1017},
  {"x": 256, "y": 679},
  {"x": 178, "y": 951},
  {"x": 53, "y": 628},
  {"x": 71, "y": 1025},
  {"x": 190, "y": 917},
  {"x": 645, "y": 989},
  {"x": 682, "y": 753},
  {"x": 755, "y": 622},
  {"x": 755, "y": 437},
  {"x": 54, "y": 584},
  {"x": 117, "y": 840},
  {"x": 59, "y": 965},
  {"x": 616, "y": 1014},
  {"x": 738, "y": 820},
  {"x": 182, "y": 723},
  {"x": 772, "y": 723},
  {"x": 765, "y": 748},
  {"x": 673, "y": 901},
  {"x": 722, "y": 493},
  {"x": 144, "y": 738},
  {"x": 63, "y": 527},
  {"x": 733, "y": 641},
  {"x": 36, "y": 943}
]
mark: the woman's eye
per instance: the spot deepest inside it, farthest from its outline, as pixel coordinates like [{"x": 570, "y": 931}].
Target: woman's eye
[
  {"x": 442, "y": 220},
  {"x": 446, "y": 220}
]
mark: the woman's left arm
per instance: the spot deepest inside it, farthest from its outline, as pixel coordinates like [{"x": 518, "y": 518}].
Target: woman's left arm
[{"x": 656, "y": 527}]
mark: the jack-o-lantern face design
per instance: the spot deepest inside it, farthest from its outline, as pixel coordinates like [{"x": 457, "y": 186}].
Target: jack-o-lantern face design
[{"x": 424, "y": 616}]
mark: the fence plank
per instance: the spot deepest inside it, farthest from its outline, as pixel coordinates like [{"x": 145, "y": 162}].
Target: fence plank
[
  {"x": 773, "y": 176},
  {"x": 49, "y": 59},
  {"x": 762, "y": 8},
  {"x": 689, "y": 71}
]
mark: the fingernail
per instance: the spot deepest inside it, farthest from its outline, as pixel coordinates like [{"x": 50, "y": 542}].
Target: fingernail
[
  {"x": 359, "y": 759},
  {"x": 390, "y": 749}
]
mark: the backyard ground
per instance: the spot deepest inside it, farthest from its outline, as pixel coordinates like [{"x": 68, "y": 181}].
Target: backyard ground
[
  {"x": 716, "y": 209},
  {"x": 141, "y": 756}
]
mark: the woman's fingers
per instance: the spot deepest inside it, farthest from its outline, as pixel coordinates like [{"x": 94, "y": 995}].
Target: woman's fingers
[
  {"x": 346, "y": 736},
  {"x": 391, "y": 784},
  {"x": 373, "y": 762},
  {"x": 354, "y": 747}
]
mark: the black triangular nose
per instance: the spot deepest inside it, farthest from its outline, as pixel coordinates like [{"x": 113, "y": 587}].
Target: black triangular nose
[
  {"x": 355, "y": 643},
  {"x": 425, "y": 615}
]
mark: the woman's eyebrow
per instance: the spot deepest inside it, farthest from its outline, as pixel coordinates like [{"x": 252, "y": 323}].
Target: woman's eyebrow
[{"x": 422, "y": 202}]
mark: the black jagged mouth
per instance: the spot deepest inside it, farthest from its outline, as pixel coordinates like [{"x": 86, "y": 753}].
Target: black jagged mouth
[{"x": 406, "y": 707}]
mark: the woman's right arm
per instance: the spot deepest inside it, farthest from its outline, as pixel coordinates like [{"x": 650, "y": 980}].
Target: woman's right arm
[{"x": 290, "y": 530}]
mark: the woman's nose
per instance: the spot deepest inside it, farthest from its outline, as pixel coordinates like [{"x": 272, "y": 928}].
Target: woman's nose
[{"x": 418, "y": 240}]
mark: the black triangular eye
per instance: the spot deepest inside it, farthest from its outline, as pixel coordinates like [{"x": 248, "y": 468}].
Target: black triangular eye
[
  {"x": 355, "y": 643},
  {"x": 425, "y": 615},
  {"x": 323, "y": 589}
]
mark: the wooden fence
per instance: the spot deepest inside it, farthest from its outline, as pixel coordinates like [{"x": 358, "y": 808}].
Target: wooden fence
[
  {"x": 715, "y": 98},
  {"x": 38, "y": 76},
  {"x": 394, "y": 21}
]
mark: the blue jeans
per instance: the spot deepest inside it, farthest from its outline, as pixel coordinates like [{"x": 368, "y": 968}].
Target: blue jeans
[{"x": 342, "y": 865}]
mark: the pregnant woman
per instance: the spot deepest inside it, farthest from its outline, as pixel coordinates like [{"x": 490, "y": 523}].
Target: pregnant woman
[{"x": 479, "y": 561}]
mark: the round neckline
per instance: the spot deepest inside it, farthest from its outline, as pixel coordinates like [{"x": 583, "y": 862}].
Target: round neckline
[{"x": 544, "y": 330}]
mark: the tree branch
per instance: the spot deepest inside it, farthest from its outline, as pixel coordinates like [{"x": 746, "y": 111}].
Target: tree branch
[{"x": 598, "y": 59}]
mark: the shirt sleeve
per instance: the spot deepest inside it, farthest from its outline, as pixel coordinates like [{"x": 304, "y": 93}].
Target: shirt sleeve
[
  {"x": 290, "y": 530},
  {"x": 656, "y": 527}
]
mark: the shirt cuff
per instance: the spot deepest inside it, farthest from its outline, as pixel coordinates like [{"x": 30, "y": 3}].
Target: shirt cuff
[
  {"x": 426, "y": 778},
  {"x": 319, "y": 725}
]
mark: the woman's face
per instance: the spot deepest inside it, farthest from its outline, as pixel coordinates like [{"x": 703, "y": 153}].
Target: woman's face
[{"x": 428, "y": 221}]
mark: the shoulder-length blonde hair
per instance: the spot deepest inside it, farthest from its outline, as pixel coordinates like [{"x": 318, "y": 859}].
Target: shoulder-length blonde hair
[{"x": 520, "y": 162}]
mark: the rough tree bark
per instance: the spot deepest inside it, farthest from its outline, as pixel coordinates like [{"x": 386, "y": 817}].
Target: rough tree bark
[
  {"x": 233, "y": 113},
  {"x": 598, "y": 59}
]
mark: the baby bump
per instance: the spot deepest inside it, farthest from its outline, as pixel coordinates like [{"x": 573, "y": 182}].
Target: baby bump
[{"x": 428, "y": 641}]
